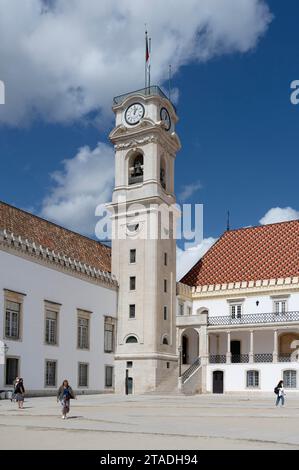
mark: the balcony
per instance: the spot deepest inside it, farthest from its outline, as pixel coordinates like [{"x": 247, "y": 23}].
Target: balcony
[
  {"x": 254, "y": 319},
  {"x": 245, "y": 358},
  {"x": 149, "y": 91}
]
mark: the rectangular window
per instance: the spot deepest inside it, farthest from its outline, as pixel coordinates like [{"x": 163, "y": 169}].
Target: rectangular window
[
  {"x": 132, "y": 256},
  {"x": 165, "y": 312},
  {"x": 83, "y": 375},
  {"x": 108, "y": 337},
  {"x": 252, "y": 378},
  {"x": 181, "y": 309},
  {"x": 165, "y": 285},
  {"x": 129, "y": 364},
  {"x": 290, "y": 378},
  {"x": 132, "y": 283},
  {"x": 280, "y": 306},
  {"x": 83, "y": 333},
  {"x": 132, "y": 311},
  {"x": 12, "y": 319},
  {"x": 108, "y": 376},
  {"x": 51, "y": 327},
  {"x": 189, "y": 310},
  {"x": 50, "y": 374},
  {"x": 165, "y": 259},
  {"x": 11, "y": 370},
  {"x": 236, "y": 310}
]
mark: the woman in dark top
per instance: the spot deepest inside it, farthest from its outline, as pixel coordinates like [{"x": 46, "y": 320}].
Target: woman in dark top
[
  {"x": 64, "y": 394},
  {"x": 19, "y": 392}
]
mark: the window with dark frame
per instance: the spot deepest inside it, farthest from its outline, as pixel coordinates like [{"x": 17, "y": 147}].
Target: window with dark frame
[
  {"x": 290, "y": 378},
  {"x": 108, "y": 337},
  {"x": 236, "y": 310},
  {"x": 165, "y": 259},
  {"x": 132, "y": 311},
  {"x": 50, "y": 374},
  {"x": 165, "y": 285},
  {"x": 133, "y": 256},
  {"x": 83, "y": 375},
  {"x": 108, "y": 376},
  {"x": 252, "y": 379},
  {"x": 51, "y": 327},
  {"x": 132, "y": 282},
  {"x": 83, "y": 333},
  {"x": 12, "y": 319}
]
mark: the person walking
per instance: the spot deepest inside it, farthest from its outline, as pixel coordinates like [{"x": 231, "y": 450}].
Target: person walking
[
  {"x": 64, "y": 395},
  {"x": 13, "y": 396},
  {"x": 279, "y": 390},
  {"x": 19, "y": 393}
]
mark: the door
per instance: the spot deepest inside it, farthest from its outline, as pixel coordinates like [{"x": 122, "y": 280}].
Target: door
[
  {"x": 217, "y": 381},
  {"x": 130, "y": 385},
  {"x": 235, "y": 349},
  {"x": 11, "y": 370},
  {"x": 185, "y": 349}
]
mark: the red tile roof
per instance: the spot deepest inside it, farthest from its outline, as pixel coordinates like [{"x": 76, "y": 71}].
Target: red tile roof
[
  {"x": 54, "y": 237},
  {"x": 249, "y": 254}
]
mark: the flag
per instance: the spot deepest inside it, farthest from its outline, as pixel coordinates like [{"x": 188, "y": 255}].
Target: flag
[{"x": 147, "y": 52}]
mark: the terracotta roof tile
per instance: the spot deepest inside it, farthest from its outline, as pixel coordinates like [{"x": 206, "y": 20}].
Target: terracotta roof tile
[
  {"x": 54, "y": 237},
  {"x": 248, "y": 254}
]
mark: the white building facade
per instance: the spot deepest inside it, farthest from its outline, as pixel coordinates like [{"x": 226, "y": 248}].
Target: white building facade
[
  {"x": 58, "y": 318},
  {"x": 242, "y": 336}
]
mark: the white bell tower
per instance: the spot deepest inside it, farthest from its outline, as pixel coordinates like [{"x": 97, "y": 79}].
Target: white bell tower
[{"x": 143, "y": 238}]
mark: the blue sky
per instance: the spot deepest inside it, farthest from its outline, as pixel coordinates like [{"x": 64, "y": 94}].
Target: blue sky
[{"x": 237, "y": 126}]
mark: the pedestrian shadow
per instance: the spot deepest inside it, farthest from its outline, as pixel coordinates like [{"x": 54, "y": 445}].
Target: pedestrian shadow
[{"x": 74, "y": 417}]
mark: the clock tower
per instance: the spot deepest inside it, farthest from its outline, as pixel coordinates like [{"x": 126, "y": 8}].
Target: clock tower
[{"x": 143, "y": 238}]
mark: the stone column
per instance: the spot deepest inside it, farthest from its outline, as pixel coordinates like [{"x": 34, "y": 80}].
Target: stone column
[
  {"x": 228, "y": 353},
  {"x": 251, "y": 353},
  {"x": 275, "y": 346}
]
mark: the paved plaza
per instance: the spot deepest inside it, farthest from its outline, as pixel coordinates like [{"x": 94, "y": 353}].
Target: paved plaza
[{"x": 152, "y": 422}]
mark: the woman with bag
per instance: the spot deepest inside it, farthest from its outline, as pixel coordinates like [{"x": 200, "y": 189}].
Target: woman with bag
[
  {"x": 19, "y": 392},
  {"x": 279, "y": 391},
  {"x": 64, "y": 395}
]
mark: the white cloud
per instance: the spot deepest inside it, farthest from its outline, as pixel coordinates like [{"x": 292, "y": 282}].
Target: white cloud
[
  {"x": 187, "y": 258},
  {"x": 85, "y": 182},
  {"x": 188, "y": 190},
  {"x": 64, "y": 62},
  {"x": 279, "y": 214}
]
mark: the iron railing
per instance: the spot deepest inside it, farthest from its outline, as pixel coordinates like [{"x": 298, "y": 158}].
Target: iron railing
[
  {"x": 263, "y": 357},
  {"x": 254, "y": 318},
  {"x": 239, "y": 358},
  {"x": 284, "y": 358},
  {"x": 188, "y": 372},
  {"x": 148, "y": 91},
  {"x": 217, "y": 358}
]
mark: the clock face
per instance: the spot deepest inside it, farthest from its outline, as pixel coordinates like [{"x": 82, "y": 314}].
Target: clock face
[
  {"x": 164, "y": 115},
  {"x": 134, "y": 113}
]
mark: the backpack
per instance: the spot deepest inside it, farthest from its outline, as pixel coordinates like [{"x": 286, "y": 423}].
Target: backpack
[{"x": 276, "y": 390}]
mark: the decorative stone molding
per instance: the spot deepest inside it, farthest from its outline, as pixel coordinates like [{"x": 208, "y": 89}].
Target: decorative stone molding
[{"x": 47, "y": 255}]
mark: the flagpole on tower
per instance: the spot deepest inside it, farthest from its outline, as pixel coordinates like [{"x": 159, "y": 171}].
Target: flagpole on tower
[
  {"x": 149, "y": 64},
  {"x": 146, "y": 53}
]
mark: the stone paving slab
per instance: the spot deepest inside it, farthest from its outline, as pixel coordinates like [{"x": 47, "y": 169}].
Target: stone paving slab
[{"x": 152, "y": 422}]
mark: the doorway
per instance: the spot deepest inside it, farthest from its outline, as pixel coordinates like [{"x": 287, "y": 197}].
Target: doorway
[
  {"x": 218, "y": 381},
  {"x": 129, "y": 383},
  {"x": 185, "y": 349},
  {"x": 235, "y": 349}
]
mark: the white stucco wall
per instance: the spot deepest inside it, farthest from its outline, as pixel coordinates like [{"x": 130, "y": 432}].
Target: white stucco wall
[
  {"x": 218, "y": 306},
  {"x": 41, "y": 283},
  {"x": 235, "y": 376}
]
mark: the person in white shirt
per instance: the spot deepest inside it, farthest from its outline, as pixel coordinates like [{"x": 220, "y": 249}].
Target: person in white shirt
[{"x": 280, "y": 393}]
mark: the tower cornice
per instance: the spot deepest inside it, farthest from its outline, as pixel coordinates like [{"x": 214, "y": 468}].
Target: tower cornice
[{"x": 146, "y": 132}]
